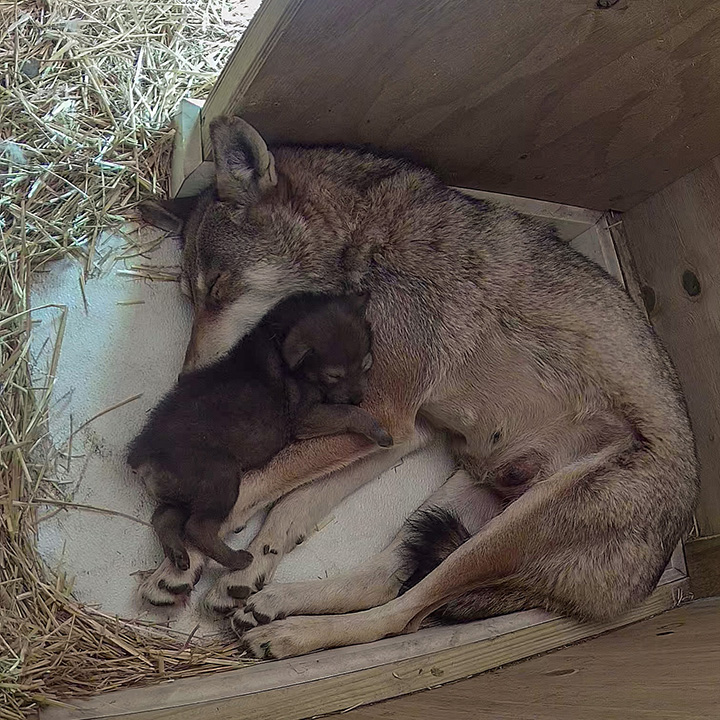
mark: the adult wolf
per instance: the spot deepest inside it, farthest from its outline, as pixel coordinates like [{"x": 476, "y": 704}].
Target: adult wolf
[{"x": 577, "y": 471}]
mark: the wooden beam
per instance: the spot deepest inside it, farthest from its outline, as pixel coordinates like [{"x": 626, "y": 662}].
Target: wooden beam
[
  {"x": 562, "y": 101},
  {"x": 673, "y": 238},
  {"x": 337, "y": 679}
]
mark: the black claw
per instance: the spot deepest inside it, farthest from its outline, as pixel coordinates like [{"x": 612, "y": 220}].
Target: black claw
[
  {"x": 266, "y": 550},
  {"x": 239, "y": 530},
  {"x": 267, "y": 653},
  {"x": 300, "y": 540},
  {"x": 183, "y": 589},
  {"x": 241, "y": 626},
  {"x": 262, "y": 618},
  {"x": 260, "y": 582},
  {"x": 161, "y": 603},
  {"x": 224, "y": 611}
]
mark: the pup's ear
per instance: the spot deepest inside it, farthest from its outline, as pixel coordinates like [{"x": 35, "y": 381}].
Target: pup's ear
[
  {"x": 295, "y": 349},
  {"x": 243, "y": 163},
  {"x": 168, "y": 214},
  {"x": 358, "y": 301}
]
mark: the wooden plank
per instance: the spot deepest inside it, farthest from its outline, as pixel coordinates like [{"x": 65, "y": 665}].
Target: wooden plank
[
  {"x": 673, "y": 236},
  {"x": 560, "y": 101},
  {"x": 665, "y": 667},
  {"x": 703, "y": 559},
  {"x": 337, "y": 679}
]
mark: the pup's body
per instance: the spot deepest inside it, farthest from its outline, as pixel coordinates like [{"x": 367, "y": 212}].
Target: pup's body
[
  {"x": 235, "y": 415},
  {"x": 567, "y": 415}
]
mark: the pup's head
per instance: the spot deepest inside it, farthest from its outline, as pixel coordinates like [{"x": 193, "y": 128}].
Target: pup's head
[
  {"x": 246, "y": 244},
  {"x": 330, "y": 348}
]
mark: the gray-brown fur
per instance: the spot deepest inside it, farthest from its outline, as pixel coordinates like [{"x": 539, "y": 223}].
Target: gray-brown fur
[
  {"x": 556, "y": 391},
  {"x": 234, "y": 415}
]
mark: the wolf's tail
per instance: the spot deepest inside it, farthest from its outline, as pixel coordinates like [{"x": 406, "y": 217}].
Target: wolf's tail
[{"x": 431, "y": 534}]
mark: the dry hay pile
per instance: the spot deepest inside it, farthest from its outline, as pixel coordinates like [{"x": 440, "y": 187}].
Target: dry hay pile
[{"x": 86, "y": 96}]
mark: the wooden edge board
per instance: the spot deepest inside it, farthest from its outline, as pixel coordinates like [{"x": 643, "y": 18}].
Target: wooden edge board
[{"x": 335, "y": 680}]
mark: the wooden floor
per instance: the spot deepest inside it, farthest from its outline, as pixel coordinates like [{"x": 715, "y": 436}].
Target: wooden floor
[{"x": 667, "y": 667}]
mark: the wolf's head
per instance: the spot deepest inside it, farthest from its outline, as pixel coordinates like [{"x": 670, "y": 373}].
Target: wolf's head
[{"x": 247, "y": 242}]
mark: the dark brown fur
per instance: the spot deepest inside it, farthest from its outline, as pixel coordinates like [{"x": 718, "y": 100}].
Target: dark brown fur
[{"x": 233, "y": 416}]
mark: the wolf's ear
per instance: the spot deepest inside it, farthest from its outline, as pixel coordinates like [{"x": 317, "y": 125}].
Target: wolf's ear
[
  {"x": 167, "y": 214},
  {"x": 295, "y": 349},
  {"x": 243, "y": 163}
]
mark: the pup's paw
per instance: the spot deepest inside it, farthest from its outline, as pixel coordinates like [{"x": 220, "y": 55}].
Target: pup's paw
[
  {"x": 384, "y": 439},
  {"x": 179, "y": 557},
  {"x": 241, "y": 559},
  {"x": 379, "y": 435}
]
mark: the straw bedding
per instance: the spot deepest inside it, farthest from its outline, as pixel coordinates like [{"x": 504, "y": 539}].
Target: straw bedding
[{"x": 86, "y": 96}]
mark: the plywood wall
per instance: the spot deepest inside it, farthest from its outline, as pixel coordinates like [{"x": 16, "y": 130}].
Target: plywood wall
[
  {"x": 674, "y": 238},
  {"x": 562, "y": 101}
]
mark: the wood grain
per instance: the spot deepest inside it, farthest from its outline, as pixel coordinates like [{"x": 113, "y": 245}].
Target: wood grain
[
  {"x": 670, "y": 233},
  {"x": 703, "y": 559},
  {"x": 560, "y": 101},
  {"x": 337, "y": 679},
  {"x": 665, "y": 668}
]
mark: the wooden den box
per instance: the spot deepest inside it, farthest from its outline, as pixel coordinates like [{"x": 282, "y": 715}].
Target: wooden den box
[{"x": 601, "y": 117}]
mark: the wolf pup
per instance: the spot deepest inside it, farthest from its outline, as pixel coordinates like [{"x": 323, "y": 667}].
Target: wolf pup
[
  {"x": 299, "y": 374},
  {"x": 569, "y": 424}
]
